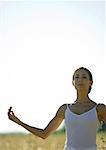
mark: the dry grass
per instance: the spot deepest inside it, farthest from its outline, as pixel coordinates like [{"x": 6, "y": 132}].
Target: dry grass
[
  {"x": 101, "y": 141},
  {"x": 30, "y": 142}
]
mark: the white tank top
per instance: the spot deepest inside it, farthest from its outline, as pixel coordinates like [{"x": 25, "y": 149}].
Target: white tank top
[{"x": 81, "y": 130}]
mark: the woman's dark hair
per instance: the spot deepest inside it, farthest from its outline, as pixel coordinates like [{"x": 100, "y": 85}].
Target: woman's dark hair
[{"x": 89, "y": 73}]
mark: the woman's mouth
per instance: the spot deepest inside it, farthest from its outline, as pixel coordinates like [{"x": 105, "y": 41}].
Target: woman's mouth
[{"x": 80, "y": 84}]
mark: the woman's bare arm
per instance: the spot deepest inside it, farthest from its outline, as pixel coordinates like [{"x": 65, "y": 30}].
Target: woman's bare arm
[{"x": 43, "y": 133}]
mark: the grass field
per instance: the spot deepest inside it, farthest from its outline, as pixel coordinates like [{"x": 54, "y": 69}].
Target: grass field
[{"x": 30, "y": 142}]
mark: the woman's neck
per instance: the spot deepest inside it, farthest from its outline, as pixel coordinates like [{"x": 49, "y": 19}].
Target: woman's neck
[{"x": 82, "y": 97}]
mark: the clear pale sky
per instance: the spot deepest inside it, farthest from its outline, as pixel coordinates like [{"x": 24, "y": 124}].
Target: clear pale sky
[{"x": 42, "y": 43}]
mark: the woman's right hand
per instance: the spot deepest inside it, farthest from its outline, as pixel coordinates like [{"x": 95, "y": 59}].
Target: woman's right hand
[{"x": 12, "y": 116}]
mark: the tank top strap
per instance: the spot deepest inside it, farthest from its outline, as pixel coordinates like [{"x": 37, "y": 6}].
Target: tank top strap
[
  {"x": 96, "y": 105},
  {"x": 67, "y": 105}
]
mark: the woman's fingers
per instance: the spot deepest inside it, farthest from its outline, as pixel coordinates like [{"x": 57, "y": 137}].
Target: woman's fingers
[
  {"x": 10, "y": 112},
  {"x": 10, "y": 108},
  {"x": 12, "y": 116}
]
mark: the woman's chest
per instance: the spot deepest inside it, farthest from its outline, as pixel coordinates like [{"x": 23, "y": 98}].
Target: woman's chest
[{"x": 79, "y": 110}]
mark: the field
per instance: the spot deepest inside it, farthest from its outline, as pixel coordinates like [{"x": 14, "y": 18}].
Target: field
[{"x": 30, "y": 142}]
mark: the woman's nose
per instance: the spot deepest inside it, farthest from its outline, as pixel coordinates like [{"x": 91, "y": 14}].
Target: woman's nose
[{"x": 80, "y": 79}]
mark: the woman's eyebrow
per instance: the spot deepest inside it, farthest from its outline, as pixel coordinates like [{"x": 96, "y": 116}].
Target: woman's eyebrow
[{"x": 78, "y": 74}]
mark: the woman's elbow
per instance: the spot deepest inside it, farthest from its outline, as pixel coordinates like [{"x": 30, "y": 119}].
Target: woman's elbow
[{"x": 43, "y": 135}]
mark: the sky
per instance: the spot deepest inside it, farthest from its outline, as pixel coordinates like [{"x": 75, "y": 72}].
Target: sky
[{"x": 42, "y": 43}]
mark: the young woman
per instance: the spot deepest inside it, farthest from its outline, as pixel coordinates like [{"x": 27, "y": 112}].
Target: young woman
[{"x": 82, "y": 117}]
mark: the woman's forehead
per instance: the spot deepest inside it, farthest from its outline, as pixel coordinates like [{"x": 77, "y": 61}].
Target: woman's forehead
[{"x": 81, "y": 71}]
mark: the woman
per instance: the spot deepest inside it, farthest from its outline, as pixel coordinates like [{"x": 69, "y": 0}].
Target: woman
[{"x": 82, "y": 118}]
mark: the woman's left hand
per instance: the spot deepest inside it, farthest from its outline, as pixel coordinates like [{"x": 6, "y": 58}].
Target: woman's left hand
[{"x": 12, "y": 116}]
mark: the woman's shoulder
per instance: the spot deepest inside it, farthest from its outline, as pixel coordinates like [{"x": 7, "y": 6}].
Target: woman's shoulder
[
  {"x": 101, "y": 107},
  {"x": 63, "y": 107},
  {"x": 101, "y": 110},
  {"x": 61, "y": 111}
]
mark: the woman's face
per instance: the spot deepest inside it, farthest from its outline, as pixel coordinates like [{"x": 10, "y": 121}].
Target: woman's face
[{"x": 82, "y": 80}]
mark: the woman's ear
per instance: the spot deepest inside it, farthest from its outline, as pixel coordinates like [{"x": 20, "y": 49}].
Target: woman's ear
[{"x": 91, "y": 82}]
